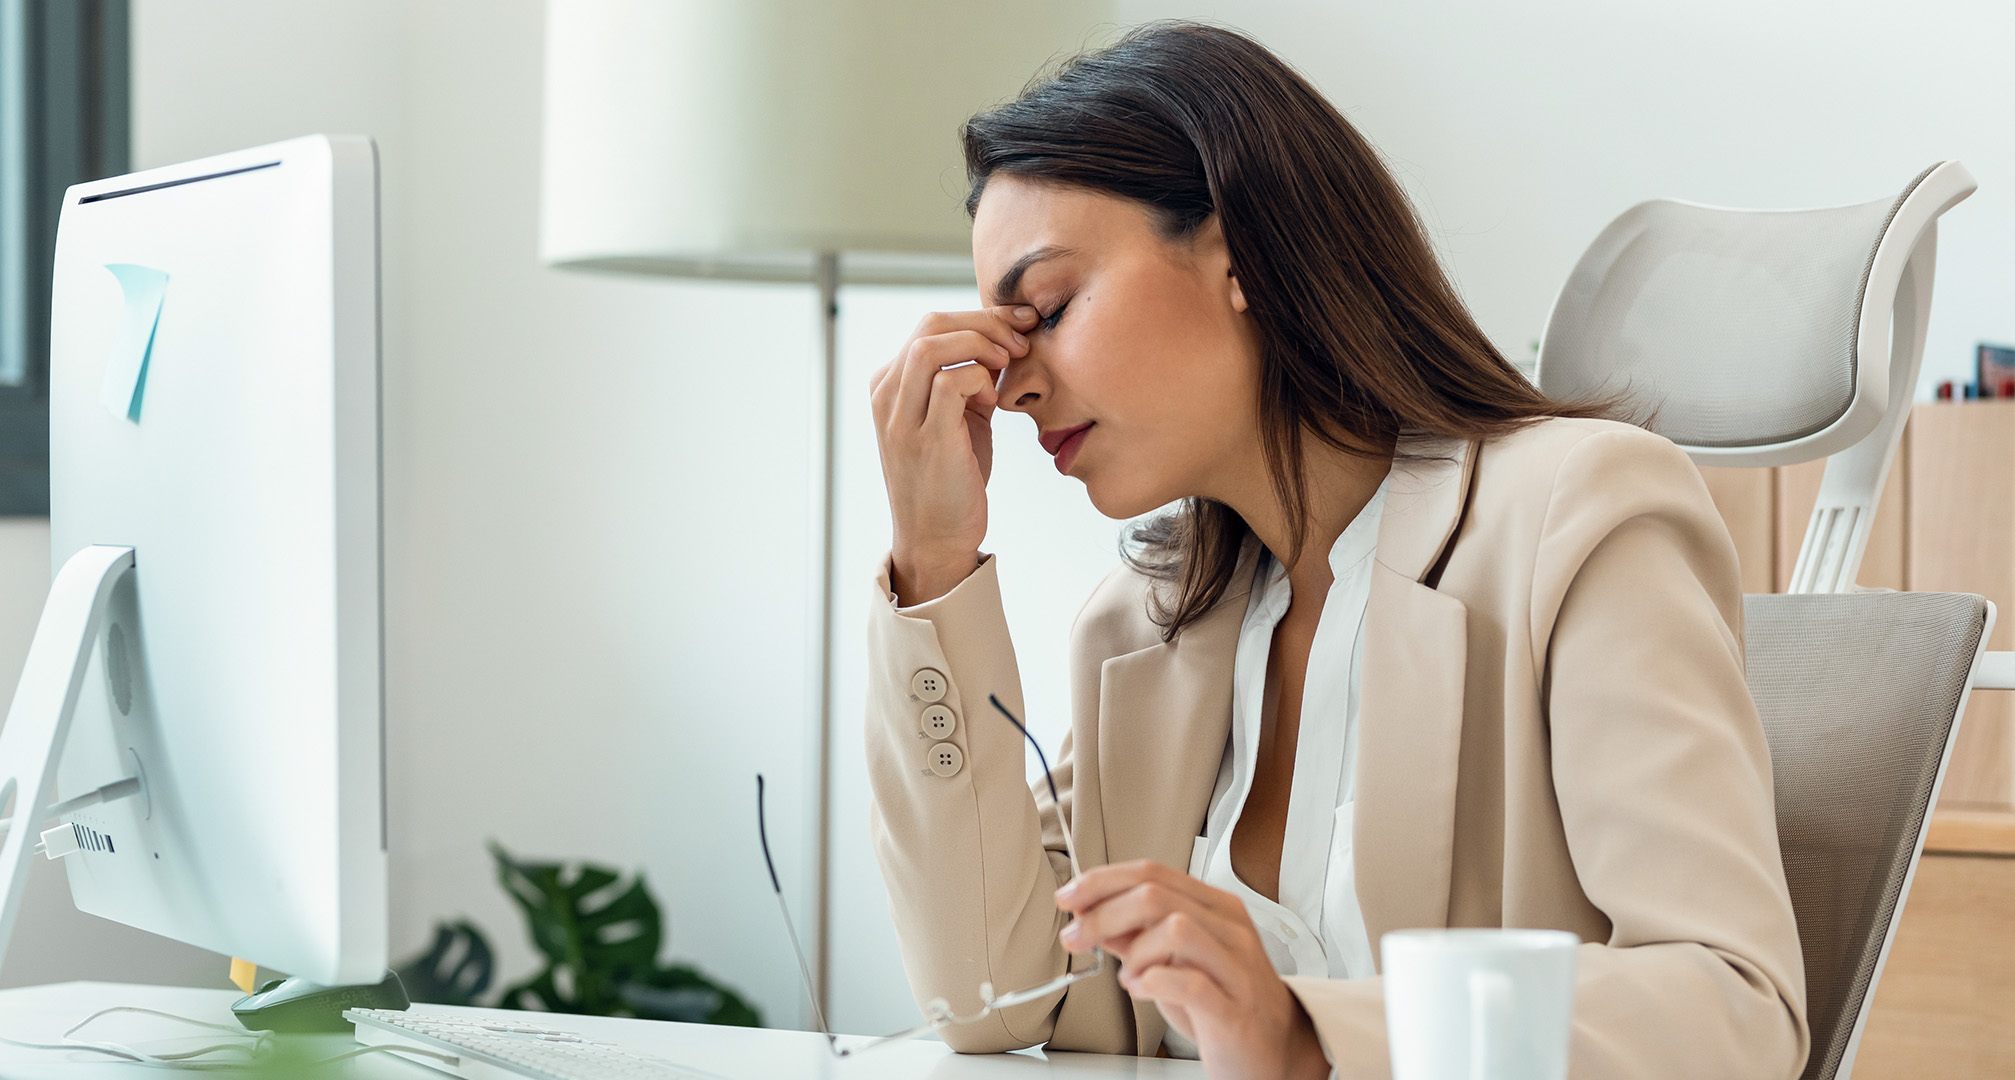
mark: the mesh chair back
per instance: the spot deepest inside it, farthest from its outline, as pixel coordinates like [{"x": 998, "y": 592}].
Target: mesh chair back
[
  {"x": 1720, "y": 328},
  {"x": 1859, "y": 694}
]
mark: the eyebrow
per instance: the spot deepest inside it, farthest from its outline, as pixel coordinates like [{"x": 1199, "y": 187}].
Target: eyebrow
[{"x": 1010, "y": 282}]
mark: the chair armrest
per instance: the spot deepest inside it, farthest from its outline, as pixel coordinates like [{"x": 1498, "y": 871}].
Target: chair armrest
[{"x": 1996, "y": 671}]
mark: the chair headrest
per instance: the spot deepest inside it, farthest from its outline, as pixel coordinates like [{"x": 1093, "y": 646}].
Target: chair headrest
[{"x": 1721, "y": 327}]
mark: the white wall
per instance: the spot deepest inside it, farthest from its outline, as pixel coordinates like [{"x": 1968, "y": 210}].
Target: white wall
[{"x": 596, "y": 487}]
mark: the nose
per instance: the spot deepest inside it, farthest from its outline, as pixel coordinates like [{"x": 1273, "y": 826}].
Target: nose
[{"x": 1022, "y": 383}]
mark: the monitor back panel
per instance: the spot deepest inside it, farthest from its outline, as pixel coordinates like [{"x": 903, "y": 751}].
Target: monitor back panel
[{"x": 239, "y": 670}]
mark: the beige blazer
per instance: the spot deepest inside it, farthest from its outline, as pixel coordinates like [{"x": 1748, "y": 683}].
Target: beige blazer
[{"x": 1554, "y": 732}]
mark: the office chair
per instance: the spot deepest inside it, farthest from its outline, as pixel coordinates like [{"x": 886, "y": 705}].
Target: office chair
[{"x": 1759, "y": 338}]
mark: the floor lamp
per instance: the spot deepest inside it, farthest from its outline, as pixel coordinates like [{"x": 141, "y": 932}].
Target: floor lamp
[{"x": 782, "y": 140}]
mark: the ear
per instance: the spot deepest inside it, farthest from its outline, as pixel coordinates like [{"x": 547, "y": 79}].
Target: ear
[{"x": 1211, "y": 247}]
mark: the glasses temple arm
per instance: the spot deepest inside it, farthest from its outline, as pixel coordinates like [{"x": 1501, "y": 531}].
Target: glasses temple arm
[
  {"x": 790, "y": 927},
  {"x": 1063, "y": 821}
]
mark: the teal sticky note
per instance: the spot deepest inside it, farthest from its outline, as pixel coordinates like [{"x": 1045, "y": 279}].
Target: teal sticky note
[{"x": 126, "y": 372}]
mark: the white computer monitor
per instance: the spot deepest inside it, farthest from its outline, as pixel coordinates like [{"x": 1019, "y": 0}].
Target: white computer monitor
[{"x": 214, "y": 408}]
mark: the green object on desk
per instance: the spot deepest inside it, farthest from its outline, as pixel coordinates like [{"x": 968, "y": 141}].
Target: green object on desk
[{"x": 600, "y": 941}]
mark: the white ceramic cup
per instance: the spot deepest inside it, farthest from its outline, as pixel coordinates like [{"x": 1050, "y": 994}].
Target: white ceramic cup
[{"x": 1479, "y": 1004}]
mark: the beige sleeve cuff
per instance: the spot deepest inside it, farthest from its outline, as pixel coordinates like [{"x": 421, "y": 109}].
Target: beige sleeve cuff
[{"x": 964, "y": 590}]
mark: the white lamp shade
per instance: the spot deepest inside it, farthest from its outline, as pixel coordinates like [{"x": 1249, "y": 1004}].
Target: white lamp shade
[{"x": 741, "y": 138}]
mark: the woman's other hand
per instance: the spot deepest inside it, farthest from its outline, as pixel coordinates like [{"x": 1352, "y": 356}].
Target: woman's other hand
[
  {"x": 933, "y": 408},
  {"x": 1193, "y": 951}
]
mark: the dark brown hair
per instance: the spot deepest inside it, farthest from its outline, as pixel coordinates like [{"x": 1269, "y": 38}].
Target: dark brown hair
[{"x": 1362, "y": 335}]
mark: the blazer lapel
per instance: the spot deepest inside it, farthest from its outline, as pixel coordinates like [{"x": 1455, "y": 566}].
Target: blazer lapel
[
  {"x": 1165, "y": 718},
  {"x": 1410, "y": 698}
]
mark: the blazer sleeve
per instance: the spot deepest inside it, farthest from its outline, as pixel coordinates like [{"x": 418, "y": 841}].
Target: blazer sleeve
[
  {"x": 973, "y": 859},
  {"x": 1663, "y": 775},
  {"x": 1662, "y": 778}
]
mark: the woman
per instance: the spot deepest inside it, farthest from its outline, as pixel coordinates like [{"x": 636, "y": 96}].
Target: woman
[{"x": 1416, "y": 647}]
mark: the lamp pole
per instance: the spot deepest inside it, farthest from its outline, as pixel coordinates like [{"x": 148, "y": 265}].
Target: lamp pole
[{"x": 825, "y": 502}]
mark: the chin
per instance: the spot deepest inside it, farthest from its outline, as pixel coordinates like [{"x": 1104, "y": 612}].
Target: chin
[{"x": 1123, "y": 501}]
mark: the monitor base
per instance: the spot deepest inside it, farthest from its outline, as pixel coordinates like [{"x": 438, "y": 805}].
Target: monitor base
[{"x": 297, "y": 1005}]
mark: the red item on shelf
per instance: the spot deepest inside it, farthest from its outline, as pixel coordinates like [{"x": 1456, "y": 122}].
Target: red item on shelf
[{"x": 1945, "y": 390}]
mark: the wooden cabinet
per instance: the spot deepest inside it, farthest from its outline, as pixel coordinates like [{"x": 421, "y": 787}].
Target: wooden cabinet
[
  {"x": 1961, "y": 536},
  {"x": 1747, "y": 499}
]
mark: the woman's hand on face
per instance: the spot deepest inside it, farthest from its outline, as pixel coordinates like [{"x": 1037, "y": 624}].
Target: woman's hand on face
[
  {"x": 1192, "y": 950},
  {"x": 933, "y": 408}
]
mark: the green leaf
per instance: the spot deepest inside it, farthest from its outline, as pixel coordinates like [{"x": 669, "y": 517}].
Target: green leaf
[
  {"x": 594, "y": 936},
  {"x": 600, "y": 941},
  {"x": 455, "y": 969}
]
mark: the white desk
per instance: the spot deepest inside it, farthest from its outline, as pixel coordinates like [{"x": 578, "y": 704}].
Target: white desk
[{"x": 41, "y": 1013}]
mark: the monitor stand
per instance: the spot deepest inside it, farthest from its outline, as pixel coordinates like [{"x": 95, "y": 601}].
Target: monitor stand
[
  {"x": 31, "y": 742},
  {"x": 38, "y": 722}
]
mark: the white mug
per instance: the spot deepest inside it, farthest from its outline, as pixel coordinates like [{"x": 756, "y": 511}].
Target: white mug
[{"x": 1479, "y": 1004}]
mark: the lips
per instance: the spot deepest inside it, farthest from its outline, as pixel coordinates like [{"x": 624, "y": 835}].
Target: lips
[
  {"x": 1063, "y": 443},
  {"x": 1052, "y": 441}
]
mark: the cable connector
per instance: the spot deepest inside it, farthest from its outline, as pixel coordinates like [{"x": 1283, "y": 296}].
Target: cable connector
[{"x": 58, "y": 842}]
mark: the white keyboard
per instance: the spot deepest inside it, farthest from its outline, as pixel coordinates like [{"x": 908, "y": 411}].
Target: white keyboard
[{"x": 499, "y": 1047}]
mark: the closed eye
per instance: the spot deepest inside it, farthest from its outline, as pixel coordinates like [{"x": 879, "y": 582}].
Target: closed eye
[{"x": 1048, "y": 322}]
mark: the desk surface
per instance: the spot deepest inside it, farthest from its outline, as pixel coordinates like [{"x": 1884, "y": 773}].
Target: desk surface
[{"x": 41, "y": 1013}]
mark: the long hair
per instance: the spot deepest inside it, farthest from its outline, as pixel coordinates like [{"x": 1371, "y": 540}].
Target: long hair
[{"x": 1362, "y": 337}]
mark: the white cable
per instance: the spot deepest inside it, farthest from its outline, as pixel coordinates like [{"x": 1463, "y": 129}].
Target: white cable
[
  {"x": 183, "y": 1059},
  {"x": 82, "y": 1024},
  {"x": 112, "y": 792},
  {"x": 179, "y": 1060},
  {"x": 172, "y": 1061}
]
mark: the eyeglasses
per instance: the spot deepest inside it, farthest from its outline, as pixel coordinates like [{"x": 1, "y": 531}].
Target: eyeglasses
[{"x": 937, "y": 1011}]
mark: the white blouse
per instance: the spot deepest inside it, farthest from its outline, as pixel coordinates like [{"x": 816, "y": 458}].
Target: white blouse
[{"x": 1316, "y": 927}]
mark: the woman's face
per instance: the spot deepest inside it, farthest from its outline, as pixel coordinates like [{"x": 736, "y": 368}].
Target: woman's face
[{"x": 1143, "y": 376}]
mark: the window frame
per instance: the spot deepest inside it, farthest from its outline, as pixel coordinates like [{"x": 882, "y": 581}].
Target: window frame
[{"x": 65, "y": 117}]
